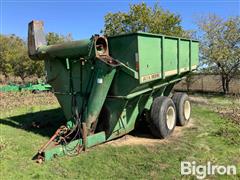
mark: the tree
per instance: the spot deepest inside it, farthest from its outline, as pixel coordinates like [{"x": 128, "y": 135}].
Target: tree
[
  {"x": 9, "y": 51},
  {"x": 189, "y": 80},
  {"x": 22, "y": 64},
  {"x": 146, "y": 19},
  {"x": 54, "y": 38},
  {"x": 37, "y": 68},
  {"x": 14, "y": 58},
  {"x": 220, "y": 47}
]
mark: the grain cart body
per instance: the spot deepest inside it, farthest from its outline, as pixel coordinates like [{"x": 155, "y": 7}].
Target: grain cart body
[{"x": 104, "y": 84}]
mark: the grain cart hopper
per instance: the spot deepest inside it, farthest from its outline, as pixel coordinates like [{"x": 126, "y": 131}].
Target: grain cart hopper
[{"x": 104, "y": 84}]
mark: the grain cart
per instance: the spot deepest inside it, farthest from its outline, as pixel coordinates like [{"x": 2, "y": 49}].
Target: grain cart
[{"x": 104, "y": 84}]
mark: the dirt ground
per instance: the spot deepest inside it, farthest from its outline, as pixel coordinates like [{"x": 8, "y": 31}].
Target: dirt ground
[{"x": 137, "y": 138}]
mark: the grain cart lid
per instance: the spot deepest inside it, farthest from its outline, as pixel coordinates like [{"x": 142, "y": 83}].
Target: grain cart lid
[{"x": 154, "y": 56}]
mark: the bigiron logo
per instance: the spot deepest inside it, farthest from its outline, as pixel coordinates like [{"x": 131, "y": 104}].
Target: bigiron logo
[{"x": 201, "y": 171}]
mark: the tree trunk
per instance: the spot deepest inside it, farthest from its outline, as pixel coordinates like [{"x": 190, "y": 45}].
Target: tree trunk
[
  {"x": 225, "y": 83},
  {"x": 6, "y": 79},
  {"x": 188, "y": 86},
  {"x": 23, "y": 79}
]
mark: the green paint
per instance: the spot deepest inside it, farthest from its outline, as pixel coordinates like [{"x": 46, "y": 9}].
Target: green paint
[
  {"x": 148, "y": 56},
  {"x": 61, "y": 150},
  {"x": 158, "y": 56},
  {"x": 95, "y": 139},
  {"x": 70, "y": 149},
  {"x": 10, "y": 88},
  {"x": 99, "y": 90},
  {"x": 108, "y": 97},
  {"x": 36, "y": 87},
  {"x": 73, "y": 49},
  {"x": 184, "y": 55},
  {"x": 26, "y": 87}
]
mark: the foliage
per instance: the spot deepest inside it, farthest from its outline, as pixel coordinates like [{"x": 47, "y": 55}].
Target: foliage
[
  {"x": 14, "y": 60},
  {"x": 54, "y": 38},
  {"x": 146, "y": 19},
  {"x": 9, "y": 51},
  {"x": 220, "y": 47}
]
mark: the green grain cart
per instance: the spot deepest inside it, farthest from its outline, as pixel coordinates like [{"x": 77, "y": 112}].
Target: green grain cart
[{"x": 104, "y": 84}]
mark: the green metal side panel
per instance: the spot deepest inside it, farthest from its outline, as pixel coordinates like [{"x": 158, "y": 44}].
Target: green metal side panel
[
  {"x": 59, "y": 78},
  {"x": 126, "y": 121},
  {"x": 154, "y": 56},
  {"x": 170, "y": 57},
  {"x": 124, "y": 49},
  {"x": 194, "y": 55},
  {"x": 184, "y": 56},
  {"x": 149, "y": 49}
]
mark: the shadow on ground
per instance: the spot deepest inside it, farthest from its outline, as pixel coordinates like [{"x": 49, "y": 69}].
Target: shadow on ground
[{"x": 44, "y": 123}]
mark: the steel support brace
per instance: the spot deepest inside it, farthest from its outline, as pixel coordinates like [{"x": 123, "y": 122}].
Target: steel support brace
[
  {"x": 102, "y": 83},
  {"x": 73, "y": 147}
]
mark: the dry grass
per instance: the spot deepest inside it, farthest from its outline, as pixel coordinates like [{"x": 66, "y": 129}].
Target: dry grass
[
  {"x": 227, "y": 106},
  {"x": 16, "y": 80},
  {"x": 232, "y": 111},
  {"x": 15, "y": 100}
]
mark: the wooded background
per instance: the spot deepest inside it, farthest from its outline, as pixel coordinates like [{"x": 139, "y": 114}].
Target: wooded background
[{"x": 219, "y": 43}]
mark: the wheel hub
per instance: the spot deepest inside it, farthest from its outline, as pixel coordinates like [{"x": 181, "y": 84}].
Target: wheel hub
[
  {"x": 171, "y": 117},
  {"x": 187, "y": 110}
]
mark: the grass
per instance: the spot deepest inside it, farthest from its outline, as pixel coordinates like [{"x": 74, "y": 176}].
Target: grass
[
  {"x": 211, "y": 138},
  {"x": 225, "y": 100}
]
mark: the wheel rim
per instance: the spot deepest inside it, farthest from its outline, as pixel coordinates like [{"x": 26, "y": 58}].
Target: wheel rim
[
  {"x": 171, "y": 117},
  {"x": 187, "y": 110}
]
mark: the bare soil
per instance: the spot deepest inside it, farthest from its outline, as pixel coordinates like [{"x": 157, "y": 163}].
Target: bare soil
[{"x": 147, "y": 139}]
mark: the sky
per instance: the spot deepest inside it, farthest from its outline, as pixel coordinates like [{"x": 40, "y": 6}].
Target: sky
[{"x": 84, "y": 18}]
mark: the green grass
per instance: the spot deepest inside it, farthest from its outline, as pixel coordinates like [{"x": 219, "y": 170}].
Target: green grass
[
  {"x": 211, "y": 138},
  {"x": 222, "y": 100}
]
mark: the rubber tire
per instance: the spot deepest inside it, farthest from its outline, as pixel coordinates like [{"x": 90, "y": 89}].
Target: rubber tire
[
  {"x": 158, "y": 123},
  {"x": 179, "y": 100}
]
